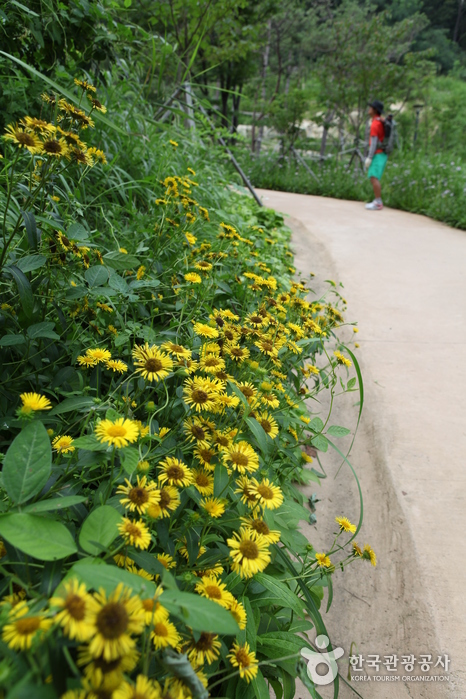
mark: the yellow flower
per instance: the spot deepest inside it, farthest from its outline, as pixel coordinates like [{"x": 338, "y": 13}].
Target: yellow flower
[
  {"x": 21, "y": 630},
  {"x": 140, "y": 273},
  {"x": 135, "y": 533},
  {"x": 194, "y": 430},
  {"x": 203, "y": 481},
  {"x": 205, "y": 650},
  {"x": 84, "y": 84},
  {"x": 268, "y": 495},
  {"x": 268, "y": 424},
  {"x": 238, "y": 613},
  {"x": 123, "y": 251},
  {"x": 75, "y": 603},
  {"x": 115, "y": 619},
  {"x": 55, "y": 148},
  {"x": 154, "y": 611},
  {"x": 63, "y": 444},
  {"x": 193, "y": 278},
  {"x": 84, "y": 360},
  {"x": 211, "y": 588},
  {"x": 106, "y": 674},
  {"x": 245, "y": 660},
  {"x": 118, "y": 433},
  {"x": 165, "y": 634},
  {"x": 151, "y": 362},
  {"x": 241, "y": 457},
  {"x": 169, "y": 501},
  {"x": 345, "y": 525},
  {"x": 341, "y": 359},
  {"x": 203, "y": 266},
  {"x": 206, "y": 455},
  {"x": 96, "y": 104},
  {"x": 34, "y": 402},
  {"x": 237, "y": 353},
  {"x": 249, "y": 551},
  {"x": 98, "y": 154},
  {"x": 357, "y": 551},
  {"x": 173, "y": 143},
  {"x": 23, "y": 139},
  {"x": 98, "y": 355},
  {"x": 214, "y": 506},
  {"x": 211, "y": 364},
  {"x": 139, "y": 497},
  {"x": 205, "y": 330},
  {"x": 178, "y": 351},
  {"x": 369, "y": 555},
  {"x": 116, "y": 365},
  {"x": 257, "y": 524},
  {"x": 323, "y": 560},
  {"x": 143, "y": 689},
  {"x": 174, "y": 472},
  {"x": 191, "y": 238},
  {"x": 202, "y": 393}
]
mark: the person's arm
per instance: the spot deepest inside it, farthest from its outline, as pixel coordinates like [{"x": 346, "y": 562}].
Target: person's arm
[{"x": 372, "y": 148}]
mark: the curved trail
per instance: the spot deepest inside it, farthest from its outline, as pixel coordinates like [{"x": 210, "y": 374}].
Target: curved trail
[{"x": 404, "y": 279}]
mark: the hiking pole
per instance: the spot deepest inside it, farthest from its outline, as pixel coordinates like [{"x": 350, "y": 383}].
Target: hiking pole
[
  {"x": 303, "y": 163},
  {"x": 236, "y": 164}
]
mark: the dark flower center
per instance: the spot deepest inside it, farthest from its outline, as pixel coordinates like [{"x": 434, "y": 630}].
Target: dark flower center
[
  {"x": 153, "y": 365},
  {"x": 75, "y": 606},
  {"x": 138, "y": 495},
  {"x": 112, "y": 620},
  {"x": 200, "y": 396},
  {"x": 249, "y": 549}
]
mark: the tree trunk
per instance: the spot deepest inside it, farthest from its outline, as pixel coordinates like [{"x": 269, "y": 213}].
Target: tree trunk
[
  {"x": 265, "y": 65},
  {"x": 323, "y": 143},
  {"x": 459, "y": 17}
]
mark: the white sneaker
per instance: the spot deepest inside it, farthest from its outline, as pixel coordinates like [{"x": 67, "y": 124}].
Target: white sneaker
[{"x": 374, "y": 206}]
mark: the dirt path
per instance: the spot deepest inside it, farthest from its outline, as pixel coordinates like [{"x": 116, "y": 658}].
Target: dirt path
[{"x": 405, "y": 282}]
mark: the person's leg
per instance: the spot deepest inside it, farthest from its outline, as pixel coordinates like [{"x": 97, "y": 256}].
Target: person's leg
[{"x": 376, "y": 186}]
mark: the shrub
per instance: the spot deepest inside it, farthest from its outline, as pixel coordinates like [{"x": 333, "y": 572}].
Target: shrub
[{"x": 156, "y": 354}]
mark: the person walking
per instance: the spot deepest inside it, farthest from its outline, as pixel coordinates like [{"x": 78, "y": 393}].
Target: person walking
[{"x": 376, "y": 158}]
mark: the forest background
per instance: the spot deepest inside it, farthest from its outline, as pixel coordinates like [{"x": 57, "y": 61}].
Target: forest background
[{"x": 287, "y": 82}]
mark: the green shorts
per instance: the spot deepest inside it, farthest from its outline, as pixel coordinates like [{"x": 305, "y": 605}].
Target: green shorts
[{"x": 377, "y": 166}]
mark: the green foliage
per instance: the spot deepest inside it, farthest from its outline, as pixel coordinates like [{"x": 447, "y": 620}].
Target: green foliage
[{"x": 109, "y": 272}]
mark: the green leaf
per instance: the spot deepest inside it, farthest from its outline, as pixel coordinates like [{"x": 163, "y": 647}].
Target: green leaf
[
  {"x": 129, "y": 459},
  {"x": 316, "y": 424},
  {"x": 45, "y": 329},
  {"x": 261, "y": 691},
  {"x": 73, "y": 403},
  {"x": 96, "y": 275},
  {"x": 58, "y": 503},
  {"x": 320, "y": 442},
  {"x": 337, "y": 431},
  {"x": 259, "y": 433},
  {"x": 351, "y": 384},
  {"x": 118, "y": 260},
  {"x": 77, "y": 232},
  {"x": 241, "y": 396},
  {"x": 31, "y": 229},
  {"x": 32, "y": 262},
  {"x": 44, "y": 539},
  {"x": 281, "y": 591},
  {"x": 12, "y": 340},
  {"x": 199, "y": 613},
  {"x": 221, "y": 480},
  {"x": 99, "y": 529},
  {"x": 96, "y": 574},
  {"x": 24, "y": 287},
  {"x": 89, "y": 443},
  {"x": 28, "y": 463}
]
